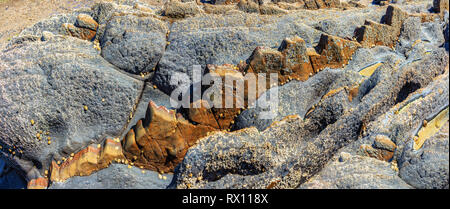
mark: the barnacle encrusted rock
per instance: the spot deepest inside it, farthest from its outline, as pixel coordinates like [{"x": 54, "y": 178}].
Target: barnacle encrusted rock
[
  {"x": 134, "y": 44},
  {"x": 294, "y": 60},
  {"x": 49, "y": 82},
  {"x": 90, "y": 159},
  {"x": 87, "y": 99},
  {"x": 303, "y": 147},
  {"x": 160, "y": 141},
  {"x": 366, "y": 173},
  {"x": 178, "y": 9},
  {"x": 85, "y": 27}
]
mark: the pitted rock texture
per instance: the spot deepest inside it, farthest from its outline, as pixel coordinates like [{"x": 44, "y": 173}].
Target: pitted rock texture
[
  {"x": 242, "y": 33},
  {"x": 361, "y": 96},
  {"x": 246, "y": 158},
  {"x": 160, "y": 141},
  {"x": 117, "y": 176},
  {"x": 134, "y": 44},
  {"x": 366, "y": 173},
  {"x": 56, "y": 99}
]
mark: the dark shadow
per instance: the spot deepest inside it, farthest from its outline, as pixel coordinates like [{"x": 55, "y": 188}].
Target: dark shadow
[{"x": 407, "y": 89}]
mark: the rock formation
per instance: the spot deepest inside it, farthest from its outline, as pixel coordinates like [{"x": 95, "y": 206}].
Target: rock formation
[{"x": 86, "y": 98}]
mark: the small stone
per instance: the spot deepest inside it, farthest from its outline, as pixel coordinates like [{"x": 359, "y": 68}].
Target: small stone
[
  {"x": 383, "y": 142},
  {"x": 344, "y": 156},
  {"x": 86, "y": 21}
]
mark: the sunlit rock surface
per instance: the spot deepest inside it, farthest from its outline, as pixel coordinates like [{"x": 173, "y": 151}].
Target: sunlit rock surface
[{"x": 85, "y": 97}]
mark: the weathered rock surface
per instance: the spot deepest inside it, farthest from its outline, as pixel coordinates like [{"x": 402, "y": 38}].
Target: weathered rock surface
[
  {"x": 289, "y": 152},
  {"x": 428, "y": 168},
  {"x": 356, "y": 172},
  {"x": 297, "y": 98},
  {"x": 362, "y": 96},
  {"x": 200, "y": 40},
  {"x": 160, "y": 141},
  {"x": 117, "y": 176},
  {"x": 56, "y": 99},
  {"x": 134, "y": 44}
]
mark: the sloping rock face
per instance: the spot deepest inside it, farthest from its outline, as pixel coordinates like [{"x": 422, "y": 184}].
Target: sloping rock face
[
  {"x": 361, "y": 96},
  {"x": 245, "y": 158},
  {"x": 56, "y": 99},
  {"x": 117, "y": 176},
  {"x": 367, "y": 173},
  {"x": 200, "y": 40},
  {"x": 134, "y": 44}
]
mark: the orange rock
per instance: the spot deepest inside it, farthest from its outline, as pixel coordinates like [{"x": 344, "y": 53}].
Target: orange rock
[
  {"x": 81, "y": 33},
  {"x": 39, "y": 183},
  {"x": 334, "y": 52},
  {"x": 234, "y": 97},
  {"x": 296, "y": 61},
  {"x": 266, "y": 60},
  {"x": 395, "y": 18},
  {"x": 88, "y": 160},
  {"x": 162, "y": 139},
  {"x": 376, "y": 34},
  {"x": 440, "y": 6},
  {"x": 377, "y": 153},
  {"x": 384, "y": 143},
  {"x": 86, "y": 21},
  {"x": 320, "y": 4},
  {"x": 202, "y": 115},
  {"x": 426, "y": 17},
  {"x": 372, "y": 33},
  {"x": 353, "y": 92}
]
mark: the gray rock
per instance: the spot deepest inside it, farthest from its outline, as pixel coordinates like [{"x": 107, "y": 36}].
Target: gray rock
[
  {"x": 222, "y": 39},
  {"x": 342, "y": 24},
  {"x": 366, "y": 57},
  {"x": 296, "y": 98},
  {"x": 52, "y": 24},
  {"x": 116, "y": 176},
  {"x": 134, "y": 44},
  {"x": 356, "y": 172},
  {"x": 52, "y": 82},
  {"x": 401, "y": 122},
  {"x": 288, "y": 153},
  {"x": 149, "y": 94},
  {"x": 428, "y": 167},
  {"x": 416, "y": 39}
]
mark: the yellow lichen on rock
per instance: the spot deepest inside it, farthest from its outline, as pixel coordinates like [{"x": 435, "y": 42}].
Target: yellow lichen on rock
[
  {"x": 431, "y": 128},
  {"x": 87, "y": 161},
  {"x": 368, "y": 71}
]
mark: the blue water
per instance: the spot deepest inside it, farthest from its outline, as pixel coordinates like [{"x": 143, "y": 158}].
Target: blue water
[{"x": 9, "y": 177}]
